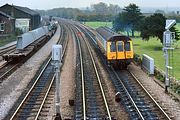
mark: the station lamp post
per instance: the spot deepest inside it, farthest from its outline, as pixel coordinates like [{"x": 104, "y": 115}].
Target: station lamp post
[
  {"x": 167, "y": 45},
  {"x": 56, "y": 58}
]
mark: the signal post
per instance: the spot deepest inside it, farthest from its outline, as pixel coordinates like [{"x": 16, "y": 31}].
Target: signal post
[
  {"x": 56, "y": 58},
  {"x": 167, "y": 46}
]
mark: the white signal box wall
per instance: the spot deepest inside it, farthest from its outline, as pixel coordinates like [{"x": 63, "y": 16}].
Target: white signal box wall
[{"x": 57, "y": 52}]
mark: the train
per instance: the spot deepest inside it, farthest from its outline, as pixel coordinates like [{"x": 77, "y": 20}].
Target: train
[
  {"x": 30, "y": 42},
  {"x": 117, "y": 48}
]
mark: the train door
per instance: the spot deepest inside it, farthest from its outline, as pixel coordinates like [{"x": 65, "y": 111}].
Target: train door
[
  {"x": 120, "y": 50},
  {"x": 111, "y": 52},
  {"x": 128, "y": 50}
]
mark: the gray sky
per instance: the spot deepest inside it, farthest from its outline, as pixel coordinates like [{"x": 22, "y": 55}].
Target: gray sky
[{"x": 49, "y": 4}]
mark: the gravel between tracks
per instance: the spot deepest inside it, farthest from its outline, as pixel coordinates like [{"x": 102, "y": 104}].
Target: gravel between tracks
[
  {"x": 67, "y": 83},
  {"x": 15, "y": 84},
  {"x": 165, "y": 100}
]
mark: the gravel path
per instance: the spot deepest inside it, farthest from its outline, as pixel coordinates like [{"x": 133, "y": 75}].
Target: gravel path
[
  {"x": 15, "y": 84},
  {"x": 166, "y": 101},
  {"x": 67, "y": 83}
]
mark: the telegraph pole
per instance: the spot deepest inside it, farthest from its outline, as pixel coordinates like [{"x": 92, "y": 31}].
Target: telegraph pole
[
  {"x": 167, "y": 45},
  {"x": 56, "y": 58}
]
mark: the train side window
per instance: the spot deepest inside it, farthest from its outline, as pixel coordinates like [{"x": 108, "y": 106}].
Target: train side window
[
  {"x": 120, "y": 46},
  {"x": 112, "y": 47},
  {"x": 127, "y": 46}
]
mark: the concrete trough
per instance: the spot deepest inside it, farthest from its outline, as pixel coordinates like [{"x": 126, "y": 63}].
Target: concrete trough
[{"x": 148, "y": 64}]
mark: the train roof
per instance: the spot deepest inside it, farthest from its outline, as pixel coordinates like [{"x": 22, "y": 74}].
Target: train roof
[{"x": 110, "y": 35}]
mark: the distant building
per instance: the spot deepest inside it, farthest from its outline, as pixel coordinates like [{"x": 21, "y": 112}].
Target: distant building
[
  {"x": 23, "y": 13},
  {"x": 7, "y": 24}
]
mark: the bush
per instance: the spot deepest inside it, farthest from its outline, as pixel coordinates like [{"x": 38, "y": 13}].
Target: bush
[
  {"x": 137, "y": 59},
  {"x": 18, "y": 32}
]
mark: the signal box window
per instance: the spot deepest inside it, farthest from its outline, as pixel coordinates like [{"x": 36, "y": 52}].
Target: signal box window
[
  {"x": 120, "y": 46},
  {"x": 112, "y": 47},
  {"x": 127, "y": 46}
]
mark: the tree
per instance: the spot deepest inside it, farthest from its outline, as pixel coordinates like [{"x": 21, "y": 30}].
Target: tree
[
  {"x": 119, "y": 24},
  {"x": 130, "y": 18},
  {"x": 100, "y": 8},
  {"x": 114, "y": 9},
  {"x": 154, "y": 26}
]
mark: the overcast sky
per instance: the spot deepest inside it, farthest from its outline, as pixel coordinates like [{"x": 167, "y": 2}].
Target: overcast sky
[{"x": 49, "y": 4}]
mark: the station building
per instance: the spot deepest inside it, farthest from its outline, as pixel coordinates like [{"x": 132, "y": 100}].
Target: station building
[
  {"x": 7, "y": 24},
  {"x": 22, "y": 14}
]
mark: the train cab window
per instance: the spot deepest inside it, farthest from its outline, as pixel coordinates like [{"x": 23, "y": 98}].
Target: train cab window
[
  {"x": 127, "y": 46},
  {"x": 112, "y": 47},
  {"x": 120, "y": 46}
]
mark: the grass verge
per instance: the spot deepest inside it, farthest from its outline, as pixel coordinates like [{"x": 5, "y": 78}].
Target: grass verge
[
  {"x": 98, "y": 24},
  {"x": 153, "y": 48},
  {"x": 8, "y": 39}
]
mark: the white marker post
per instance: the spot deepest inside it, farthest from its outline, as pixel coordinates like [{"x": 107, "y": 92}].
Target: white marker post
[
  {"x": 56, "y": 57},
  {"x": 167, "y": 45}
]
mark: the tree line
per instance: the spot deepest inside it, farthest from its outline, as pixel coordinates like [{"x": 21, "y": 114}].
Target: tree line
[
  {"x": 97, "y": 12},
  {"x": 131, "y": 19},
  {"x": 128, "y": 19}
]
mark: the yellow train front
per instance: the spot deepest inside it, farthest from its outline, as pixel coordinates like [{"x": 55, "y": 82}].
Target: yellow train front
[{"x": 117, "y": 48}]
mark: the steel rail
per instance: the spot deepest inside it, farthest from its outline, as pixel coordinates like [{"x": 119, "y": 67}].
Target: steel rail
[
  {"x": 7, "y": 49},
  {"x": 12, "y": 117},
  {"x": 66, "y": 43},
  {"x": 82, "y": 80},
  {"x": 4, "y": 64},
  {"x": 37, "y": 79},
  {"x": 98, "y": 76},
  {"x": 63, "y": 53},
  {"x": 37, "y": 115},
  {"x": 165, "y": 114},
  {"x": 132, "y": 101},
  {"x": 99, "y": 80},
  {"x": 8, "y": 71},
  {"x": 161, "y": 109}
]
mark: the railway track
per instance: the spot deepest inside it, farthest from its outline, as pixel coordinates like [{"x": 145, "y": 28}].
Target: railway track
[
  {"x": 8, "y": 49},
  {"x": 133, "y": 99},
  {"x": 159, "y": 110},
  {"x": 6, "y": 69},
  {"x": 91, "y": 102},
  {"x": 138, "y": 103},
  {"x": 32, "y": 103},
  {"x": 36, "y": 102}
]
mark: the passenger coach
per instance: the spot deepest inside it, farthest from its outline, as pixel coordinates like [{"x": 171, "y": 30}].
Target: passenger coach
[{"x": 117, "y": 48}]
